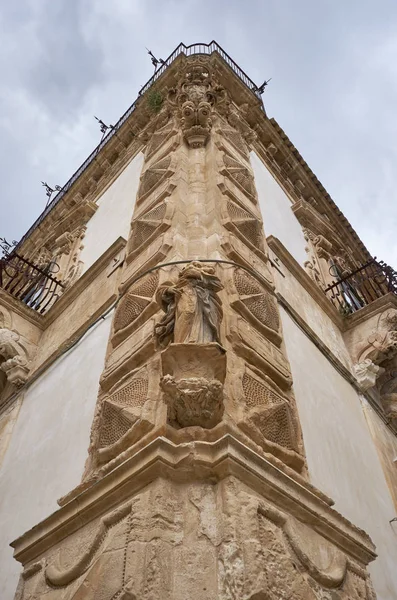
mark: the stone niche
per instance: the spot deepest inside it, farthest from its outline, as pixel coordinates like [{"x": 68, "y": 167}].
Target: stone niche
[{"x": 186, "y": 522}]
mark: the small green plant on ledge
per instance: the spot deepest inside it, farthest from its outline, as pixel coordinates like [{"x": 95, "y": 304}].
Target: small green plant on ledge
[{"x": 155, "y": 100}]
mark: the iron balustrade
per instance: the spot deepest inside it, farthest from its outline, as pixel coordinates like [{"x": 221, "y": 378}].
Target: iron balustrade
[
  {"x": 193, "y": 49},
  {"x": 34, "y": 286},
  {"x": 359, "y": 288}
]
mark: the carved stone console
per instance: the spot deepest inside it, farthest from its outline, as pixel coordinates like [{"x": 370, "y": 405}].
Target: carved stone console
[{"x": 193, "y": 377}]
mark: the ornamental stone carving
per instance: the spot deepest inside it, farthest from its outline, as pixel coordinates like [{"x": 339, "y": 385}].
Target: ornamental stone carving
[
  {"x": 194, "y": 97},
  {"x": 192, "y": 382},
  {"x": 366, "y": 373},
  {"x": 193, "y": 310},
  {"x": 262, "y": 552},
  {"x": 14, "y": 360}
]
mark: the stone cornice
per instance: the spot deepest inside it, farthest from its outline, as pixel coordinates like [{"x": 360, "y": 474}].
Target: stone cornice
[
  {"x": 377, "y": 306},
  {"x": 299, "y": 182},
  {"x": 21, "y": 309},
  {"x": 189, "y": 462},
  {"x": 303, "y": 278},
  {"x": 272, "y": 144}
]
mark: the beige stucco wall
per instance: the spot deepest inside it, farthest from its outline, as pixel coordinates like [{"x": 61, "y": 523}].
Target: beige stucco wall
[
  {"x": 309, "y": 310},
  {"x": 342, "y": 458},
  {"x": 48, "y": 447},
  {"x": 275, "y": 206},
  {"x": 113, "y": 216}
]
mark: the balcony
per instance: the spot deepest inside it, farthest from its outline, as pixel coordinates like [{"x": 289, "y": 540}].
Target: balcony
[
  {"x": 352, "y": 291},
  {"x": 33, "y": 285}
]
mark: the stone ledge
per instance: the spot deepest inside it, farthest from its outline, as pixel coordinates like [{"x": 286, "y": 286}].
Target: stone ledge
[
  {"x": 377, "y": 306},
  {"x": 191, "y": 462},
  {"x": 303, "y": 278},
  {"x": 15, "y": 305},
  {"x": 84, "y": 281}
]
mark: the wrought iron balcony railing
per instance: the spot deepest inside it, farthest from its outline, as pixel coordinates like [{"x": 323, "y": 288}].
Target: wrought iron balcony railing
[
  {"x": 193, "y": 49},
  {"x": 34, "y": 286},
  {"x": 359, "y": 288}
]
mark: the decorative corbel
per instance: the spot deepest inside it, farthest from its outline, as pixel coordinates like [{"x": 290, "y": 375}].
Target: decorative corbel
[{"x": 15, "y": 355}]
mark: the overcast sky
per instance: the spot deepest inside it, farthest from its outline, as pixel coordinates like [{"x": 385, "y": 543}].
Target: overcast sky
[{"x": 334, "y": 89}]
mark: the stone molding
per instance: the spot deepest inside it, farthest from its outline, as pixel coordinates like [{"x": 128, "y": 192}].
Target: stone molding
[
  {"x": 307, "y": 282},
  {"x": 191, "y": 462},
  {"x": 16, "y": 306},
  {"x": 84, "y": 281},
  {"x": 299, "y": 182}
]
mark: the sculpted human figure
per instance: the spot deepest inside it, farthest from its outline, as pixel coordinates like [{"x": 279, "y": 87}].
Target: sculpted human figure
[{"x": 193, "y": 311}]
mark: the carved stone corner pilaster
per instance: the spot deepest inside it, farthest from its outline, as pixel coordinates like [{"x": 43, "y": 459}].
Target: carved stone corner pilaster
[{"x": 192, "y": 382}]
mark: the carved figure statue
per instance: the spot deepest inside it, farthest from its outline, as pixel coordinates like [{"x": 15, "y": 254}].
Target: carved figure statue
[{"x": 193, "y": 311}]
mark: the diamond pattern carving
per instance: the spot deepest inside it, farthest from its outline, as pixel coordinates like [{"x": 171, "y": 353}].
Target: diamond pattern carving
[
  {"x": 115, "y": 423},
  {"x": 248, "y": 225},
  {"x": 143, "y": 227},
  {"x": 133, "y": 303},
  {"x": 153, "y": 175},
  {"x": 256, "y": 299},
  {"x": 159, "y": 138},
  {"x": 240, "y": 175}
]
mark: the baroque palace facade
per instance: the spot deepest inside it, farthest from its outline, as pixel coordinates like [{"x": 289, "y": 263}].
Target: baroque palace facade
[{"x": 198, "y": 368}]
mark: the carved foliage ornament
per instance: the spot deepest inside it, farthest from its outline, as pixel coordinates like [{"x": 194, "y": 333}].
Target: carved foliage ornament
[{"x": 194, "y": 98}]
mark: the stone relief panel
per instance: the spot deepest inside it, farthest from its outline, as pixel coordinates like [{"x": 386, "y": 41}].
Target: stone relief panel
[
  {"x": 240, "y": 175},
  {"x": 259, "y": 351},
  {"x": 254, "y": 300},
  {"x": 239, "y": 252},
  {"x": 270, "y": 417},
  {"x": 159, "y": 138},
  {"x": 222, "y": 551},
  {"x": 154, "y": 175},
  {"x": 145, "y": 227},
  {"x": 135, "y": 307},
  {"x": 124, "y": 414},
  {"x": 234, "y": 138},
  {"x": 244, "y": 224}
]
